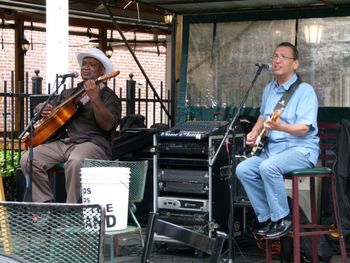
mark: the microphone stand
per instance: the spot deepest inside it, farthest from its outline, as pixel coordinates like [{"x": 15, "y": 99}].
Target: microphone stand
[
  {"x": 30, "y": 129},
  {"x": 232, "y": 167}
]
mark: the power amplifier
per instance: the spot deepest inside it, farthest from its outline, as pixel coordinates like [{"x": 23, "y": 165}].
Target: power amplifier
[
  {"x": 185, "y": 204},
  {"x": 184, "y": 218},
  {"x": 183, "y": 181}
]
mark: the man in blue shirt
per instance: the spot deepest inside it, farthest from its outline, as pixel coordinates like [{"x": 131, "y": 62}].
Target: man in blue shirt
[{"x": 291, "y": 143}]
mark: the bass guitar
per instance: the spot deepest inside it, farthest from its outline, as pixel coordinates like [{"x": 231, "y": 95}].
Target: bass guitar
[
  {"x": 261, "y": 139},
  {"x": 47, "y": 126}
]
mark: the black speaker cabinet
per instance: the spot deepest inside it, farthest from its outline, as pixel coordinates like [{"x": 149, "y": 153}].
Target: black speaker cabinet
[{"x": 240, "y": 197}]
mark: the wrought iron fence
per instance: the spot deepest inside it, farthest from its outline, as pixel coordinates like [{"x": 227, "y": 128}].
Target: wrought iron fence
[{"x": 17, "y": 111}]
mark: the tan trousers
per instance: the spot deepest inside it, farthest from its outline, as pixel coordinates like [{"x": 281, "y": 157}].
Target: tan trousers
[{"x": 46, "y": 156}]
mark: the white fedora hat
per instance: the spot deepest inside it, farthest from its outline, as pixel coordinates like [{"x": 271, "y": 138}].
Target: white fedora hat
[{"x": 99, "y": 55}]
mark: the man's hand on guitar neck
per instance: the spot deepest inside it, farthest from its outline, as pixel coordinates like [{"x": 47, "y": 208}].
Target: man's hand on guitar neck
[
  {"x": 92, "y": 90},
  {"x": 297, "y": 129},
  {"x": 271, "y": 124}
]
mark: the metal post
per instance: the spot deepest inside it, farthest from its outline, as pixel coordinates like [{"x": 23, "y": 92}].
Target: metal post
[
  {"x": 130, "y": 95},
  {"x": 173, "y": 83},
  {"x": 37, "y": 83}
]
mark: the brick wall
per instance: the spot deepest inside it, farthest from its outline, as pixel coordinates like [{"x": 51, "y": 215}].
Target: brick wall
[{"x": 153, "y": 64}]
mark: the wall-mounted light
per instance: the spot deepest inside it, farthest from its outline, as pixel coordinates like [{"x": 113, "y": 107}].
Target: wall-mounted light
[
  {"x": 25, "y": 46},
  {"x": 168, "y": 19},
  {"x": 313, "y": 32},
  {"x": 109, "y": 51}
]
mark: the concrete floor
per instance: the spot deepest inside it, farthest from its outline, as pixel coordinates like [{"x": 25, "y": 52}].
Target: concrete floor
[{"x": 246, "y": 251}]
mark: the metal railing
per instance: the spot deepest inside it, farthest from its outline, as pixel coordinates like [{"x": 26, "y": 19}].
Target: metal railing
[{"x": 17, "y": 108}]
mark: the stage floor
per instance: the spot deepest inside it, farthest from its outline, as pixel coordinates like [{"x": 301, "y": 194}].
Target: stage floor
[
  {"x": 167, "y": 253},
  {"x": 246, "y": 251}
]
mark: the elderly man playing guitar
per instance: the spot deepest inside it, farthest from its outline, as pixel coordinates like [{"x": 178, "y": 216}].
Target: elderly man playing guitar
[
  {"x": 88, "y": 132},
  {"x": 288, "y": 123}
]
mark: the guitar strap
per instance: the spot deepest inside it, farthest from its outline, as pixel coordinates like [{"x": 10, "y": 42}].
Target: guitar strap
[{"x": 282, "y": 103}]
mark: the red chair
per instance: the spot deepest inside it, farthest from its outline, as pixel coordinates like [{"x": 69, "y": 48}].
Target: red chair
[{"x": 327, "y": 134}]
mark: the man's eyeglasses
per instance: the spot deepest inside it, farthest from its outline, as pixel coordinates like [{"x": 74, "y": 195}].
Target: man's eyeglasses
[{"x": 282, "y": 57}]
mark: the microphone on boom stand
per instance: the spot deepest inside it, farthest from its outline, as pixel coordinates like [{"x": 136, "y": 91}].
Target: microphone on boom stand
[{"x": 229, "y": 170}]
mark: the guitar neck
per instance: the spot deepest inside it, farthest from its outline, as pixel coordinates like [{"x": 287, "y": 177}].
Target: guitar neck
[{"x": 97, "y": 81}]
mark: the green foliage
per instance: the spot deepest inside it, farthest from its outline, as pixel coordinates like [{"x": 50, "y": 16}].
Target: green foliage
[{"x": 8, "y": 165}]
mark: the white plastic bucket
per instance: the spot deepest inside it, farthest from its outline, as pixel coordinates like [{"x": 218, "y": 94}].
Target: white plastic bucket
[
  {"x": 98, "y": 171},
  {"x": 109, "y": 188}
]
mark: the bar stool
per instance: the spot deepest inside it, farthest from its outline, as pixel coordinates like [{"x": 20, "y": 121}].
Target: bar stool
[{"x": 327, "y": 134}]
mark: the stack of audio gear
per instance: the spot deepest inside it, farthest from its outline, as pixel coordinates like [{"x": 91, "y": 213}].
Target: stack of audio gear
[
  {"x": 190, "y": 138},
  {"x": 191, "y": 193},
  {"x": 194, "y": 130}
]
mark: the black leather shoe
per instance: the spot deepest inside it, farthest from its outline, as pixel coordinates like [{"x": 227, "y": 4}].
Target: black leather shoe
[
  {"x": 265, "y": 228},
  {"x": 280, "y": 228}
]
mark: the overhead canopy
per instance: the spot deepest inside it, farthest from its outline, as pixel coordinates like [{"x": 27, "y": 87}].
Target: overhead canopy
[
  {"x": 192, "y": 7},
  {"x": 131, "y": 15},
  {"x": 148, "y": 15}
]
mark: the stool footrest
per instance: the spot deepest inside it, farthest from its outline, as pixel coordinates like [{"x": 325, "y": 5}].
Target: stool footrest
[
  {"x": 317, "y": 233},
  {"x": 317, "y": 226}
]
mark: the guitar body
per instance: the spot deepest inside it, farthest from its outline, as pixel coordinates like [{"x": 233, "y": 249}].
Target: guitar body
[
  {"x": 261, "y": 139},
  {"x": 46, "y": 127}
]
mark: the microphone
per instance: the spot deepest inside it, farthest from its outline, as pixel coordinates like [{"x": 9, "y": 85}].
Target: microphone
[
  {"x": 69, "y": 75},
  {"x": 266, "y": 66}
]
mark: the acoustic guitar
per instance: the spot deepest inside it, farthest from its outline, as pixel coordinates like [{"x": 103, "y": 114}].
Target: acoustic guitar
[
  {"x": 261, "y": 139},
  {"x": 47, "y": 126}
]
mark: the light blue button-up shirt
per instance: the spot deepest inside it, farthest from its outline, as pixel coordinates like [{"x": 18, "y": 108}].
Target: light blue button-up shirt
[{"x": 302, "y": 109}]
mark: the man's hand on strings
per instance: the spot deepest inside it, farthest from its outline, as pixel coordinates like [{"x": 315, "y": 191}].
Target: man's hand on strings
[
  {"x": 251, "y": 138},
  {"x": 46, "y": 112}
]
